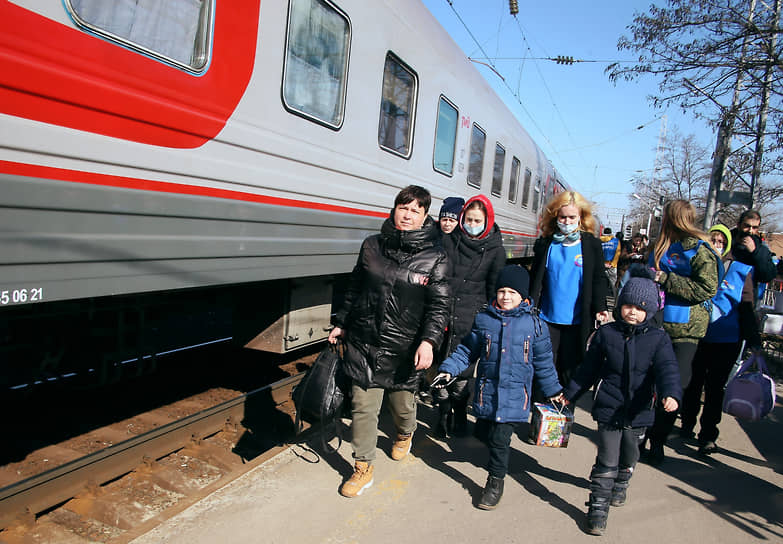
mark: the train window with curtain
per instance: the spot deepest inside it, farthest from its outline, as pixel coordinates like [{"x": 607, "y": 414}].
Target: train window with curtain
[
  {"x": 497, "y": 170},
  {"x": 445, "y": 137},
  {"x": 398, "y": 107},
  {"x": 526, "y": 188},
  {"x": 513, "y": 182},
  {"x": 478, "y": 139},
  {"x": 536, "y": 195},
  {"x": 316, "y": 61},
  {"x": 177, "y": 32}
]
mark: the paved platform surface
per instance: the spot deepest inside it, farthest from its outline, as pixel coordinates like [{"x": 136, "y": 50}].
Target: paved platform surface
[{"x": 733, "y": 496}]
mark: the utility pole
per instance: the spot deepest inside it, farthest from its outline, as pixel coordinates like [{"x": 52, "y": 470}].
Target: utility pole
[
  {"x": 763, "y": 108},
  {"x": 725, "y": 130}
]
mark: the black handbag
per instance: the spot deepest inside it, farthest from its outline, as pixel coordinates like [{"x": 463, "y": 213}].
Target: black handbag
[{"x": 323, "y": 393}]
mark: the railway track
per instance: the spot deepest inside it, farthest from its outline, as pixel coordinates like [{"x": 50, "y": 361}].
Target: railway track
[{"x": 126, "y": 488}]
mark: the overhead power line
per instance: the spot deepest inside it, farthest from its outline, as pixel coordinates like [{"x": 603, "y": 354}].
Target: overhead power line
[{"x": 558, "y": 59}]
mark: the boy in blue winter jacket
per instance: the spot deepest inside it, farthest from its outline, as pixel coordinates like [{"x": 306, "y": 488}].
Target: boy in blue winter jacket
[
  {"x": 627, "y": 361},
  {"x": 511, "y": 345}
]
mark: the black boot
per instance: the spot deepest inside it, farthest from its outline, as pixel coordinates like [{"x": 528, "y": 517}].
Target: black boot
[
  {"x": 601, "y": 484},
  {"x": 492, "y": 493},
  {"x": 443, "y": 427},
  {"x": 621, "y": 484},
  {"x": 460, "y": 417},
  {"x": 597, "y": 513}
]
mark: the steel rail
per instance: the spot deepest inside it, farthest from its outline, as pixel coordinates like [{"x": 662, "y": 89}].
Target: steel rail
[{"x": 48, "y": 489}]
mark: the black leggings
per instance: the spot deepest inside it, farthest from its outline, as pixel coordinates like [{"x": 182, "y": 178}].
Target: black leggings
[
  {"x": 711, "y": 367},
  {"x": 567, "y": 350},
  {"x": 664, "y": 421}
]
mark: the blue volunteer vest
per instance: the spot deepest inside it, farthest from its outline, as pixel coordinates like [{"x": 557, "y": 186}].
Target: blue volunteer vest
[
  {"x": 677, "y": 260},
  {"x": 610, "y": 248},
  {"x": 725, "y": 303}
]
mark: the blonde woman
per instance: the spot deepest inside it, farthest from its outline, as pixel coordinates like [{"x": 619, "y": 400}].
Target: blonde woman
[
  {"x": 686, "y": 268},
  {"x": 569, "y": 281}
]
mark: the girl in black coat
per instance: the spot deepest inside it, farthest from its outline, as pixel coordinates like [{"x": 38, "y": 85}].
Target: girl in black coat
[
  {"x": 627, "y": 360},
  {"x": 476, "y": 257},
  {"x": 569, "y": 282}
]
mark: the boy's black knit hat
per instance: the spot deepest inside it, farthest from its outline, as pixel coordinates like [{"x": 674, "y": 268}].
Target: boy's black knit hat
[
  {"x": 452, "y": 206},
  {"x": 516, "y": 277},
  {"x": 641, "y": 292}
]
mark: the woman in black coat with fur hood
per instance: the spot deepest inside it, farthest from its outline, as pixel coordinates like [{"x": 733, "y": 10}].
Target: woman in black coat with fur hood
[{"x": 476, "y": 257}]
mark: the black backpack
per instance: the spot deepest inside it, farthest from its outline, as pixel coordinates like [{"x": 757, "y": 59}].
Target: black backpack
[{"x": 323, "y": 395}]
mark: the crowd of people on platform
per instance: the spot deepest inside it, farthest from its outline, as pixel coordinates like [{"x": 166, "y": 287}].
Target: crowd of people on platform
[{"x": 435, "y": 301}]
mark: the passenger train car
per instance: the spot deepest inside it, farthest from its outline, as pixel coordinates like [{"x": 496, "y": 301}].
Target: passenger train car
[{"x": 182, "y": 172}]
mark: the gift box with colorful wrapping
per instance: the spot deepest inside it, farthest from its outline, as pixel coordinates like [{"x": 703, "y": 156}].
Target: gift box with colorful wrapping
[{"x": 550, "y": 426}]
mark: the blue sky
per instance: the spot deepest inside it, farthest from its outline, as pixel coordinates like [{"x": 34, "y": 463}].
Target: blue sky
[{"x": 587, "y": 126}]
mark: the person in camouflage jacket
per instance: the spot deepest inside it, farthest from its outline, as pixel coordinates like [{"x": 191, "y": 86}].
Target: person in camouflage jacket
[{"x": 686, "y": 268}]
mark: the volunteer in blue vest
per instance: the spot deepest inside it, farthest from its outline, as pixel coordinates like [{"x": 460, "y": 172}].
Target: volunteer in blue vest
[
  {"x": 748, "y": 249},
  {"x": 568, "y": 279},
  {"x": 612, "y": 248},
  {"x": 687, "y": 269},
  {"x": 733, "y": 321}
]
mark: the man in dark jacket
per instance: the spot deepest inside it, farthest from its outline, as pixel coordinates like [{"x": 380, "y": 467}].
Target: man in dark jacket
[
  {"x": 393, "y": 317},
  {"x": 748, "y": 249}
]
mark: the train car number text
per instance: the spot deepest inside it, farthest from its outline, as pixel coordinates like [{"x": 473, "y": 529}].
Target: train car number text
[{"x": 21, "y": 296}]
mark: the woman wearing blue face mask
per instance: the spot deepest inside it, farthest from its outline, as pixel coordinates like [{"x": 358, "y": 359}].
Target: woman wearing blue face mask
[
  {"x": 568, "y": 279},
  {"x": 476, "y": 257}
]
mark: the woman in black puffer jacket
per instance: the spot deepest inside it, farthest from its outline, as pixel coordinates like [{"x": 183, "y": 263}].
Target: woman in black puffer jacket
[
  {"x": 393, "y": 317},
  {"x": 476, "y": 257}
]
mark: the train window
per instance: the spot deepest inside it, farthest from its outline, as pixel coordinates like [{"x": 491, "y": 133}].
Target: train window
[
  {"x": 316, "y": 61},
  {"x": 445, "y": 137},
  {"x": 536, "y": 195},
  {"x": 514, "y": 180},
  {"x": 526, "y": 189},
  {"x": 398, "y": 105},
  {"x": 550, "y": 191},
  {"x": 177, "y": 32},
  {"x": 477, "y": 140},
  {"x": 497, "y": 170}
]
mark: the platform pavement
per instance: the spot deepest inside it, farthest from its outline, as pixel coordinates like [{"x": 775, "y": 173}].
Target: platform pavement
[{"x": 733, "y": 496}]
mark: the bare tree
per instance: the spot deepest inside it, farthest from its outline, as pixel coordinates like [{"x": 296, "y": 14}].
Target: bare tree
[
  {"x": 719, "y": 60},
  {"x": 683, "y": 173}
]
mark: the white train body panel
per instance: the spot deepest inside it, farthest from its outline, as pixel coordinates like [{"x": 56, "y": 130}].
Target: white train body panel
[{"x": 90, "y": 211}]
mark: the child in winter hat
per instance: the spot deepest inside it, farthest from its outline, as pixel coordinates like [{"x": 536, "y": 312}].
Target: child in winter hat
[
  {"x": 516, "y": 277},
  {"x": 512, "y": 346},
  {"x": 449, "y": 213},
  {"x": 642, "y": 294},
  {"x": 627, "y": 361}
]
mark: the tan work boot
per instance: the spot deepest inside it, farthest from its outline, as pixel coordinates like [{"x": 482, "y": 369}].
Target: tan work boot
[
  {"x": 402, "y": 446},
  {"x": 359, "y": 481}
]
